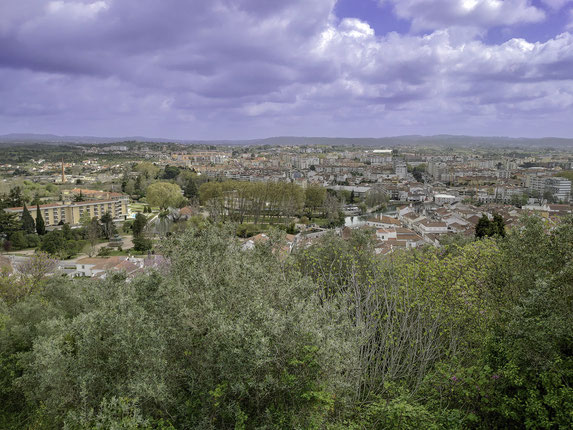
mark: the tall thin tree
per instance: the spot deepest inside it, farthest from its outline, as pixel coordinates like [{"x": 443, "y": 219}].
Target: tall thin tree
[
  {"x": 28, "y": 224},
  {"x": 40, "y": 225}
]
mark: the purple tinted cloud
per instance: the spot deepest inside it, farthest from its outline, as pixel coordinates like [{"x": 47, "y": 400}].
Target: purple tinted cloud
[
  {"x": 435, "y": 14},
  {"x": 247, "y": 68}
]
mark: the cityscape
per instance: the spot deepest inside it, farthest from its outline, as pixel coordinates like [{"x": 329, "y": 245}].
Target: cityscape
[
  {"x": 286, "y": 215},
  {"x": 406, "y": 196}
]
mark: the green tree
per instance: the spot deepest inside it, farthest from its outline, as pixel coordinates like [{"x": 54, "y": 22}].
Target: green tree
[
  {"x": 18, "y": 239},
  {"x": 28, "y": 223},
  {"x": 8, "y": 222},
  {"x": 15, "y": 198},
  {"x": 40, "y": 226},
  {"x": 108, "y": 227},
  {"x": 139, "y": 224},
  {"x": 265, "y": 356},
  {"x": 314, "y": 197},
  {"x": 471, "y": 335},
  {"x": 33, "y": 240},
  {"x": 376, "y": 196},
  {"x": 164, "y": 195},
  {"x": 141, "y": 243},
  {"x": 129, "y": 187},
  {"x": 67, "y": 231},
  {"x": 191, "y": 190},
  {"x": 498, "y": 225},
  {"x": 148, "y": 170},
  {"x": 139, "y": 186},
  {"x": 170, "y": 172},
  {"x": 92, "y": 233},
  {"x": 54, "y": 243},
  {"x": 332, "y": 207},
  {"x": 37, "y": 267},
  {"x": 485, "y": 227}
]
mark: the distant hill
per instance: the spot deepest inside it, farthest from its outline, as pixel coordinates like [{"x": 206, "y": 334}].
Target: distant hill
[
  {"x": 28, "y": 138},
  {"x": 412, "y": 140}
]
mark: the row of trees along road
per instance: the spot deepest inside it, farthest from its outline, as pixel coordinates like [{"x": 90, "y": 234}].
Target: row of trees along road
[{"x": 268, "y": 201}]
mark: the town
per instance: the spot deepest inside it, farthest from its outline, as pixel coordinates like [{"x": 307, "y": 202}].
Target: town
[{"x": 96, "y": 209}]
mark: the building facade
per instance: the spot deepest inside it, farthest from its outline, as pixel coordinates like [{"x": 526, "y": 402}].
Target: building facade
[
  {"x": 71, "y": 212},
  {"x": 560, "y": 188}
]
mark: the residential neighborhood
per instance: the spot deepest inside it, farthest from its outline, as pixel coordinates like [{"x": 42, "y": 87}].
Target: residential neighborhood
[{"x": 403, "y": 196}]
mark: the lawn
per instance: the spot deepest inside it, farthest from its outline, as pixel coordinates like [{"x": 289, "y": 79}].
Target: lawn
[{"x": 126, "y": 252}]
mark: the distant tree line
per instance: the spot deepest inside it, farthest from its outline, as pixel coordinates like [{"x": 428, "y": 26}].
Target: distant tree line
[{"x": 260, "y": 202}]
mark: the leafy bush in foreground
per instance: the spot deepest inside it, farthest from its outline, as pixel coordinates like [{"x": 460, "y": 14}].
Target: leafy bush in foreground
[{"x": 475, "y": 335}]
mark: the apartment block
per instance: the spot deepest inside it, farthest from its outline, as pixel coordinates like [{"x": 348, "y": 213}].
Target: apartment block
[
  {"x": 560, "y": 188},
  {"x": 71, "y": 212}
]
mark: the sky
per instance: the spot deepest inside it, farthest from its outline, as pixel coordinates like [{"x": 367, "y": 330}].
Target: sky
[{"x": 239, "y": 69}]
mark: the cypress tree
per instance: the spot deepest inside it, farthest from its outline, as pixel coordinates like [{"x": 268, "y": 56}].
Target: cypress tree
[
  {"x": 499, "y": 224},
  {"x": 40, "y": 226},
  {"x": 191, "y": 189},
  {"x": 28, "y": 224},
  {"x": 483, "y": 227}
]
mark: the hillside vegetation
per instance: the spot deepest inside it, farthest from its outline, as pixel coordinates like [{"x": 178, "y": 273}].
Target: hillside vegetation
[{"x": 474, "y": 336}]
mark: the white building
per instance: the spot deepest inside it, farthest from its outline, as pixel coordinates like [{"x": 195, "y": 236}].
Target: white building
[
  {"x": 401, "y": 170},
  {"x": 560, "y": 188},
  {"x": 442, "y": 199},
  {"x": 427, "y": 227}
]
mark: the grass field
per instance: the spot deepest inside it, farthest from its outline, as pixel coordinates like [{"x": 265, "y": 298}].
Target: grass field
[{"x": 138, "y": 207}]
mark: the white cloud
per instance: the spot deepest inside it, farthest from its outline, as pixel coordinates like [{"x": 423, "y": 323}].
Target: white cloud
[
  {"x": 77, "y": 10},
  {"x": 556, "y": 4},
  {"x": 570, "y": 23},
  {"x": 435, "y": 14}
]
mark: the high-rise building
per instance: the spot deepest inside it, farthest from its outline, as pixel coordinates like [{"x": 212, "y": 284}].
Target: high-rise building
[
  {"x": 560, "y": 188},
  {"x": 401, "y": 170}
]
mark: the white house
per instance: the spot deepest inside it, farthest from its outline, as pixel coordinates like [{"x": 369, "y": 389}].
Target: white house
[
  {"x": 436, "y": 227},
  {"x": 442, "y": 199}
]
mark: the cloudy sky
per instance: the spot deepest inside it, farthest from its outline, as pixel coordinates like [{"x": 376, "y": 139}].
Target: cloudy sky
[{"x": 214, "y": 69}]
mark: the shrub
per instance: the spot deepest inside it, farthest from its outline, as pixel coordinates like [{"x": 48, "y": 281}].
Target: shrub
[
  {"x": 142, "y": 244},
  {"x": 33, "y": 240}
]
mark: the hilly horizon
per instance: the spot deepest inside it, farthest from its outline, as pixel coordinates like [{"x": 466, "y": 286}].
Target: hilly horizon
[{"x": 433, "y": 140}]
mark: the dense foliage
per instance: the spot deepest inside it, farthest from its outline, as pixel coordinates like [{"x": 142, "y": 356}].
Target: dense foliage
[
  {"x": 476, "y": 335},
  {"x": 260, "y": 202}
]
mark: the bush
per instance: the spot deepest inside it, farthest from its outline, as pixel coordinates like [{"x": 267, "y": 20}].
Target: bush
[
  {"x": 127, "y": 226},
  {"x": 142, "y": 244},
  {"x": 398, "y": 411},
  {"x": 18, "y": 240},
  {"x": 33, "y": 240},
  {"x": 247, "y": 230},
  {"x": 206, "y": 351},
  {"x": 55, "y": 243},
  {"x": 7, "y": 245},
  {"x": 475, "y": 336}
]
